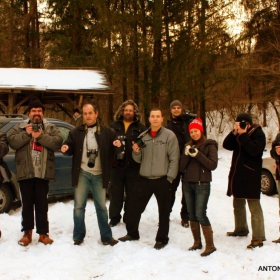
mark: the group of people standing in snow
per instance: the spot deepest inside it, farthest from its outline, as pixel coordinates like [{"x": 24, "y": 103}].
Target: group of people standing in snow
[{"x": 138, "y": 162}]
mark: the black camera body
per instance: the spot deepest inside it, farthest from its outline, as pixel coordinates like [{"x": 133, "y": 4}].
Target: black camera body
[
  {"x": 91, "y": 154},
  {"x": 192, "y": 149},
  {"x": 35, "y": 126},
  {"x": 140, "y": 142},
  {"x": 243, "y": 124},
  {"x": 188, "y": 115},
  {"x": 122, "y": 154}
]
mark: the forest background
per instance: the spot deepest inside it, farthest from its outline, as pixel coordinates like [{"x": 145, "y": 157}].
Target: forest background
[{"x": 214, "y": 56}]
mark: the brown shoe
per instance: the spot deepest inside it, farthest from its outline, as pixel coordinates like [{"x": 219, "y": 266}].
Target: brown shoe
[
  {"x": 277, "y": 240},
  {"x": 254, "y": 244},
  {"x": 111, "y": 242},
  {"x": 26, "y": 239},
  {"x": 44, "y": 238}
]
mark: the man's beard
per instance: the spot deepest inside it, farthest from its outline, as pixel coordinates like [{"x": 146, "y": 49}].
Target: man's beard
[
  {"x": 128, "y": 118},
  {"x": 37, "y": 119}
]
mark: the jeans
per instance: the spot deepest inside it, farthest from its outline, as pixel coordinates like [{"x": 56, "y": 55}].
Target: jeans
[
  {"x": 197, "y": 195},
  {"x": 121, "y": 179},
  {"x": 257, "y": 220},
  {"x": 89, "y": 182},
  {"x": 174, "y": 186}
]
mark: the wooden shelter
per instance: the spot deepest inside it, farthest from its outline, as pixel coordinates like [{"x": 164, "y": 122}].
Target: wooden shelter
[{"x": 52, "y": 86}]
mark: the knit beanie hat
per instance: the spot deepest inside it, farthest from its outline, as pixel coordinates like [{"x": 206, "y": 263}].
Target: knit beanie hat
[
  {"x": 196, "y": 123},
  {"x": 244, "y": 117},
  {"x": 175, "y": 103},
  {"x": 35, "y": 102}
]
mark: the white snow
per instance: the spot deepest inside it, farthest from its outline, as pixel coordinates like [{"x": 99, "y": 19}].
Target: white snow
[{"x": 138, "y": 259}]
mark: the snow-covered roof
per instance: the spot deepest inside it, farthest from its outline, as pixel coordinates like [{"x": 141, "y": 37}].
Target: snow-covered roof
[{"x": 60, "y": 80}]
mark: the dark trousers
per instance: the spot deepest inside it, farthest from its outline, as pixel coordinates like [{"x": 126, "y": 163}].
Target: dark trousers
[
  {"x": 121, "y": 180},
  {"x": 141, "y": 194},
  {"x": 174, "y": 186},
  {"x": 34, "y": 192}
]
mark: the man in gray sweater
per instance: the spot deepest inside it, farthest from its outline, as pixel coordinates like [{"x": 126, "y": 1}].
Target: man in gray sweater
[{"x": 157, "y": 151}]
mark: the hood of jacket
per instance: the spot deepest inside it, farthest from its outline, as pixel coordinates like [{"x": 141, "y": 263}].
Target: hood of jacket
[{"x": 119, "y": 114}]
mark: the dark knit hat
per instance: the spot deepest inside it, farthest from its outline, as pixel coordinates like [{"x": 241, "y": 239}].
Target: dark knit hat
[
  {"x": 76, "y": 110},
  {"x": 35, "y": 102},
  {"x": 196, "y": 123},
  {"x": 244, "y": 117},
  {"x": 175, "y": 103}
]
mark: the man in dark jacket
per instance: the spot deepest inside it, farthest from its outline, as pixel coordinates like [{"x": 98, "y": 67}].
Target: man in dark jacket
[
  {"x": 35, "y": 141},
  {"x": 92, "y": 146},
  {"x": 179, "y": 123},
  {"x": 275, "y": 154},
  {"x": 4, "y": 148},
  {"x": 125, "y": 170},
  {"x": 247, "y": 141}
]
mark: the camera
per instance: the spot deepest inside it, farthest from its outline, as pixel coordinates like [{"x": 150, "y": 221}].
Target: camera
[
  {"x": 91, "y": 154},
  {"x": 122, "y": 154},
  {"x": 140, "y": 142},
  {"x": 243, "y": 124},
  {"x": 192, "y": 149},
  {"x": 188, "y": 115},
  {"x": 35, "y": 126}
]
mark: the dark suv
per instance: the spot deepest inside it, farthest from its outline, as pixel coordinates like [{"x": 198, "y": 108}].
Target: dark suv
[{"x": 9, "y": 192}]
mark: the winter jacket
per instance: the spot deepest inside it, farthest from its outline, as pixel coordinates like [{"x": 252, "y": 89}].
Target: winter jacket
[
  {"x": 198, "y": 169},
  {"x": 131, "y": 134},
  {"x": 105, "y": 136},
  {"x": 5, "y": 174},
  {"x": 19, "y": 140},
  {"x": 246, "y": 163},
  {"x": 161, "y": 155},
  {"x": 274, "y": 155}
]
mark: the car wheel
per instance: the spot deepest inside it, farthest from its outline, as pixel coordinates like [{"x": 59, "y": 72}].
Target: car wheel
[
  {"x": 6, "y": 198},
  {"x": 267, "y": 183}
]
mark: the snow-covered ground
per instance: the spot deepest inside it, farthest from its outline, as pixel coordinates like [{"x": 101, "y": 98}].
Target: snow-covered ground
[{"x": 138, "y": 259}]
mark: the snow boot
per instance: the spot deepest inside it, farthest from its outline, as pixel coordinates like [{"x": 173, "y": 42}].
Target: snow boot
[
  {"x": 44, "y": 238},
  {"x": 208, "y": 235},
  {"x": 26, "y": 239},
  {"x": 195, "y": 228}
]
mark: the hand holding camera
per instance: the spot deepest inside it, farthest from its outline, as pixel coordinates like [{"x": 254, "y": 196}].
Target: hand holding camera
[
  {"x": 187, "y": 148},
  {"x": 193, "y": 151}
]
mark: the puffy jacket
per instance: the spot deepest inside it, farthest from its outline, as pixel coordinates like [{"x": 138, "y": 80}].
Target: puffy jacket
[
  {"x": 161, "y": 155},
  {"x": 198, "y": 168},
  {"x": 19, "y": 140},
  {"x": 105, "y": 136},
  {"x": 246, "y": 163}
]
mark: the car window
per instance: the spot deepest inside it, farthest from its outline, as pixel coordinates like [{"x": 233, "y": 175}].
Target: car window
[{"x": 64, "y": 132}]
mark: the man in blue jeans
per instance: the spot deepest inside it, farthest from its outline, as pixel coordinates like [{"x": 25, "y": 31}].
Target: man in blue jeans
[{"x": 92, "y": 146}]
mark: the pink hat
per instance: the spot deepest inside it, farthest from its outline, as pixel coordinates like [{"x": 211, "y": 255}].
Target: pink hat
[{"x": 196, "y": 123}]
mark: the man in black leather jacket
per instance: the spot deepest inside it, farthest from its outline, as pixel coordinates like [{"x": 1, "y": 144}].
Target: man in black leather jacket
[{"x": 125, "y": 170}]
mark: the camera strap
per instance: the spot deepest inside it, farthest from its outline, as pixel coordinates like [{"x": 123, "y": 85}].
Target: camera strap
[{"x": 90, "y": 135}]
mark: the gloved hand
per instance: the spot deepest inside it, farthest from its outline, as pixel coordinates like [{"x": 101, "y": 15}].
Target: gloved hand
[
  {"x": 195, "y": 151},
  {"x": 187, "y": 150}
]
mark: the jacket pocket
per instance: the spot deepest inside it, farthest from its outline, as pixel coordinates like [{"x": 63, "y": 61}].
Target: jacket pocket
[
  {"x": 21, "y": 169},
  {"x": 250, "y": 168}
]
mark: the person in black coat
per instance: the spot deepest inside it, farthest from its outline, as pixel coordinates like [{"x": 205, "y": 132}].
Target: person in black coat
[
  {"x": 92, "y": 146},
  {"x": 247, "y": 141},
  {"x": 125, "y": 170},
  {"x": 275, "y": 154},
  {"x": 179, "y": 122}
]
